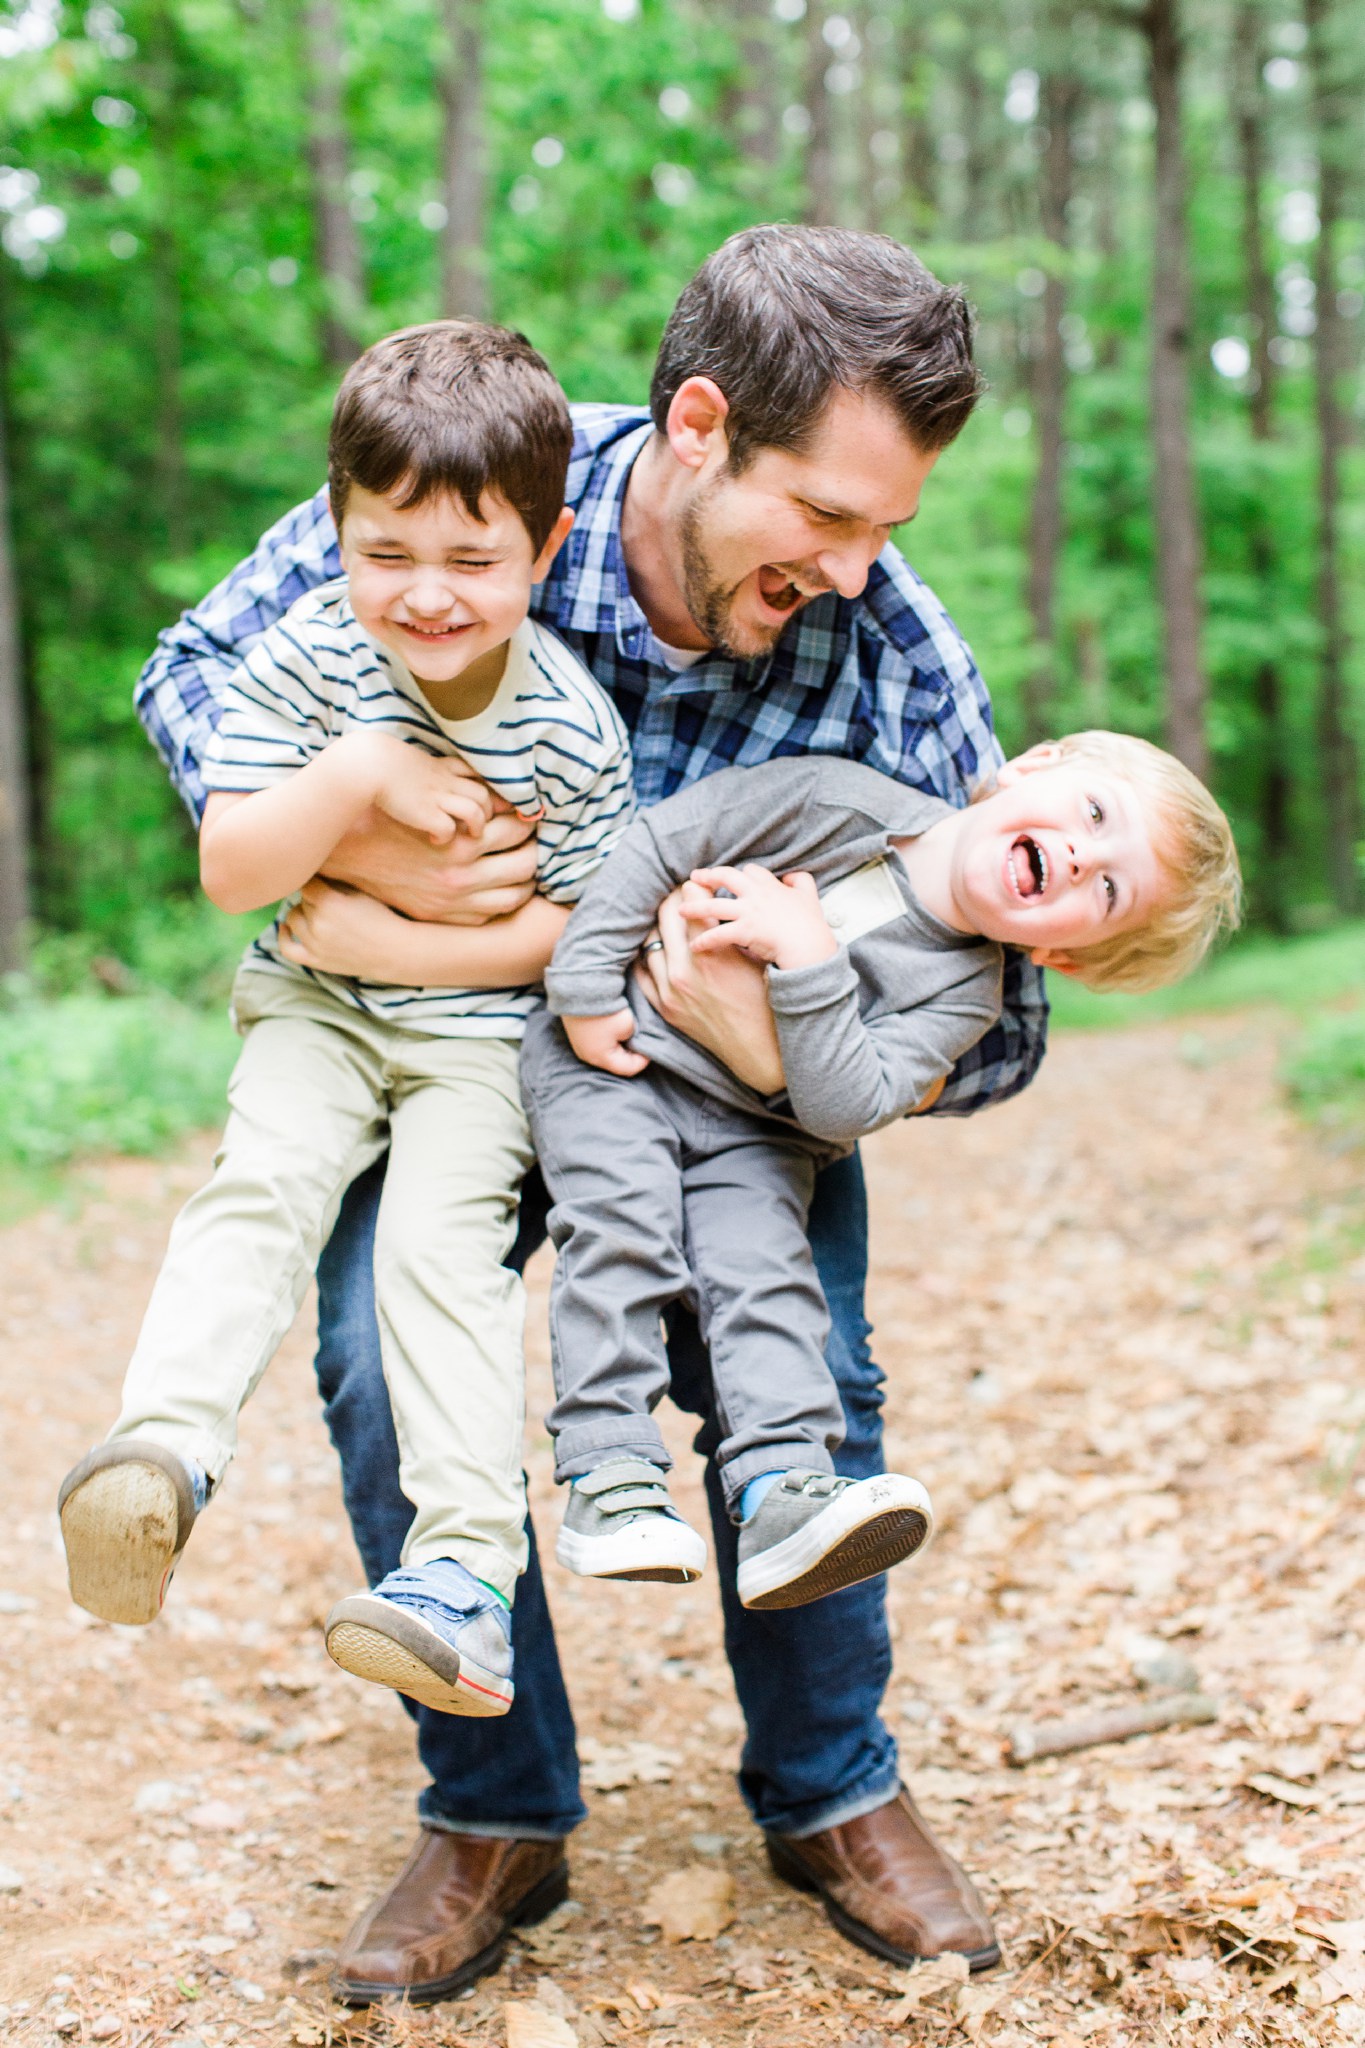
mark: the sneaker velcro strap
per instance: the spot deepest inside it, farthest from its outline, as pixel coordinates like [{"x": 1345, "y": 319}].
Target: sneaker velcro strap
[
  {"x": 622, "y": 1472},
  {"x": 628, "y": 1500}
]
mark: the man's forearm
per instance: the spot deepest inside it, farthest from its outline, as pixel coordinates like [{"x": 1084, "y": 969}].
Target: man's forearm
[
  {"x": 1003, "y": 1062},
  {"x": 507, "y": 952}
]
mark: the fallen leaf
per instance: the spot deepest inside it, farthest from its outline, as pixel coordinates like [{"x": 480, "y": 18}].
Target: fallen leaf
[
  {"x": 695, "y": 1904},
  {"x": 531, "y": 2026},
  {"x": 615, "y": 1766}
]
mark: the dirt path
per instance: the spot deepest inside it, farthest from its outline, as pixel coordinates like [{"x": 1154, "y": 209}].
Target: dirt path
[{"x": 1122, "y": 1320}]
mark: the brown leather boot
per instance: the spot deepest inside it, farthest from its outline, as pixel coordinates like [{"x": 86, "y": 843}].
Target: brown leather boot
[
  {"x": 888, "y": 1886},
  {"x": 446, "y": 1917}
]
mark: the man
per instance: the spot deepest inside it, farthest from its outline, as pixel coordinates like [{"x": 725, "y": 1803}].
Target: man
[{"x": 729, "y": 580}]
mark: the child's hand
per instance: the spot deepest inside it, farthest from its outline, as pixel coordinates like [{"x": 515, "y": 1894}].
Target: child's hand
[
  {"x": 434, "y": 794},
  {"x": 601, "y": 1042},
  {"x": 342, "y": 931},
  {"x": 776, "y": 920}
]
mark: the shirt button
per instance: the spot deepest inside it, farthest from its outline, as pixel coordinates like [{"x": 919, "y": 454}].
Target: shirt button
[{"x": 834, "y": 919}]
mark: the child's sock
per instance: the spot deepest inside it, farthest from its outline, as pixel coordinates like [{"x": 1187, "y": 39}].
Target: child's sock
[{"x": 753, "y": 1493}]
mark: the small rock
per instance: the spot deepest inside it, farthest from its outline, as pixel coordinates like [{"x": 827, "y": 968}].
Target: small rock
[
  {"x": 215, "y": 1944},
  {"x": 10, "y": 1880},
  {"x": 251, "y": 1993},
  {"x": 240, "y": 1922},
  {"x": 66, "y": 2023},
  {"x": 16, "y": 1603},
  {"x": 159, "y": 1795},
  {"x": 105, "y": 2027},
  {"x": 216, "y": 1817},
  {"x": 1159, "y": 1664},
  {"x": 710, "y": 1845}
]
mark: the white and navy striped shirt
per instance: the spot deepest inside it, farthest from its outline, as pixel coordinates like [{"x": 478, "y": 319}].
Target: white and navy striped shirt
[{"x": 550, "y": 736}]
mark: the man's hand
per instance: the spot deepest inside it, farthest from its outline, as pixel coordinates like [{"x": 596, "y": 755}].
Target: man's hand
[
  {"x": 342, "y": 931},
  {"x": 719, "y": 999},
  {"x": 601, "y": 1042},
  {"x": 467, "y": 881},
  {"x": 778, "y": 921}
]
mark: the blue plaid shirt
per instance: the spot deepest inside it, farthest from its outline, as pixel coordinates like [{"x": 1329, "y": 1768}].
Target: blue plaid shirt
[{"x": 885, "y": 678}]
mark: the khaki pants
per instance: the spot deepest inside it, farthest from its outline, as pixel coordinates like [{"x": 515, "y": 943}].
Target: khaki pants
[{"x": 317, "y": 1092}]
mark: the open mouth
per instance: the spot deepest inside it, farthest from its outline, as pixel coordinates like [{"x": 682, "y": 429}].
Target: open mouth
[
  {"x": 1028, "y": 867},
  {"x": 779, "y": 592},
  {"x": 433, "y": 632}
]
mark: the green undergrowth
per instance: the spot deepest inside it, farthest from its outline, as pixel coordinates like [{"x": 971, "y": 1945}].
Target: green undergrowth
[{"x": 1298, "y": 975}]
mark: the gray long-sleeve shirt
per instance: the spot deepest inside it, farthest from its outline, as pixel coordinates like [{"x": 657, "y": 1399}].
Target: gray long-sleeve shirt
[{"x": 863, "y": 1034}]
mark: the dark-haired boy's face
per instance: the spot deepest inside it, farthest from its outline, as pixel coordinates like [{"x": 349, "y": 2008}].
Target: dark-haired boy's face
[
  {"x": 439, "y": 588},
  {"x": 758, "y": 546}
]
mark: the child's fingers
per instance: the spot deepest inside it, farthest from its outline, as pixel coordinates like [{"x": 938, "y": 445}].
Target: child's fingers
[
  {"x": 626, "y": 1064},
  {"x": 803, "y": 884},
  {"x": 732, "y": 879}
]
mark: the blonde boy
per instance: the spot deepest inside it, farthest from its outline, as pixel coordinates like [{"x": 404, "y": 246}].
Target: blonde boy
[{"x": 880, "y": 914}]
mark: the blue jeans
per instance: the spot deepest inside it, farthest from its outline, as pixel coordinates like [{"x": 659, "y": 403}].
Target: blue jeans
[{"x": 809, "y": 1679}]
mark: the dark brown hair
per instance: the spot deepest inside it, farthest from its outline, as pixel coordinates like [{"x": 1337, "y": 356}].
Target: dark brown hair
[
  {"x": 780, "y": 317},
  {"x": 456, "y": 406}
]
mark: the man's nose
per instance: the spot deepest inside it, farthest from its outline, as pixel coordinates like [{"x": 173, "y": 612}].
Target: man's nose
[{"x": 846, "y": 568}]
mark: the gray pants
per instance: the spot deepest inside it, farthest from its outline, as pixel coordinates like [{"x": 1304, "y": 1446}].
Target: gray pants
[{"x": 662, "y": 1194}]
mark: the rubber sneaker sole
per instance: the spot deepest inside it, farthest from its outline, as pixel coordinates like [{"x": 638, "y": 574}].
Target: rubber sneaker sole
[
  {"x": 126, "y": 1511},
  {"x": 861, "y": 1534},
  {"x": 660, "y": 1550},
  {"x": 372, "y": 1639}
]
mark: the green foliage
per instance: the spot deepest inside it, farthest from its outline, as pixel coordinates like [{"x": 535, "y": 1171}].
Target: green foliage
[
  {"x": 1325, "y": 1071},
  {"x": 1296, "y": 975},
  {"x": 90, "y": 1074}
]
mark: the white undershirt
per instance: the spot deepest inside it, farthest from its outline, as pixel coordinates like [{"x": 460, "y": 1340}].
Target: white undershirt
[{"x": 679, "y": 658}]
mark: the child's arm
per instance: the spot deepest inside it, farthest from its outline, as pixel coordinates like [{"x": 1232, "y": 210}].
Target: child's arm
[
  {"x": 342, "y": 931},
  {"x": 256, "y": 848},
  {"x": 845, "y": 1074}
]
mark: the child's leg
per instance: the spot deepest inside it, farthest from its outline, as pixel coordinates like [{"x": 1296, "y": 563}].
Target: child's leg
[
  {"x": 451, "y": 1313},
  {"x": 612, "y": 1161},
  {"x": 450, "y": 1318},
  {"x": 306, "y": 1113},
  {"x": 763, "y": 1315},
  {"x": 306, "y": 1101},
  {"x": 760, "y": 1305}
]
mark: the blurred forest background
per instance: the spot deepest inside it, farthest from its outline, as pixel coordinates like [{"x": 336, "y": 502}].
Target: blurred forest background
[{"x": 207, "y": 206}]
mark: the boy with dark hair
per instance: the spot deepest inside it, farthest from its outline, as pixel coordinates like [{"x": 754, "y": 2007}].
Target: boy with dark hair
[{"x": 381, "y": 690}]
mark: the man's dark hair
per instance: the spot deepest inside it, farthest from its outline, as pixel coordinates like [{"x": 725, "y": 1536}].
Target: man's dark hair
[
  {"x": 780, "y": 317},
  {"x": 456, "y": 406}
]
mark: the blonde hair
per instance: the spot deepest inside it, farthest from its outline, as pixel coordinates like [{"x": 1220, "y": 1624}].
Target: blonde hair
[{"x": 1194, "y": 847}]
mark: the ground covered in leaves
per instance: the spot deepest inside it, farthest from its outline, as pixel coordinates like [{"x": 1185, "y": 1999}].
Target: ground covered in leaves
[{"x": 1122, "y": 1320}]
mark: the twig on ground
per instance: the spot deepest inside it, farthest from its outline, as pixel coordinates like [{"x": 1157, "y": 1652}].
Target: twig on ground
[{"x": 1116, "y": 1724}]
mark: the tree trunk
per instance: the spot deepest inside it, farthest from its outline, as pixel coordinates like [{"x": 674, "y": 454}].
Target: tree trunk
[
  {"x": 1045, "y": 517},
  {"x": 14, "y": 807},
  {"x": 754, "y": 116},
  {"x": 821, "y": 203},
  {"x": 1176, "y": 517},
  {"x": 163, "y": 100},
  {"x": 464, "y": 278},
  {"x": 335, "y": 236},
  {"x": 917, "y": 136},
  {"x": 1336, "y": 742},
  {"x": 1274, "y": 793}
]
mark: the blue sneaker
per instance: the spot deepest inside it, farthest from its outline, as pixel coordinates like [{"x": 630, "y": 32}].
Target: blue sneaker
[{"x": 433, "y": 1633}]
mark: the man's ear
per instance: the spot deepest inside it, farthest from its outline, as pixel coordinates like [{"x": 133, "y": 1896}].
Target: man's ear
[
  {"x": 696, "y": 421},
  {"x": 555, "y": 540},
  {"x": 1047, "y": 754},
  {"x": 1059, "y": 963}
]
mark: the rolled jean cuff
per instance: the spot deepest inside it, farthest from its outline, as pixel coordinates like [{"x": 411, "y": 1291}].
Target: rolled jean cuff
[
  {"x": 814, "y": 1821},
  {"x": 590, "y": 1444},
  {"x": 794, "y": 1457},
  {"x": 495, "y": 1830}
]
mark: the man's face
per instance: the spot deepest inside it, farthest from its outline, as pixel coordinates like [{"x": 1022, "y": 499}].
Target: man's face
[{"x": 758, "y": 546}]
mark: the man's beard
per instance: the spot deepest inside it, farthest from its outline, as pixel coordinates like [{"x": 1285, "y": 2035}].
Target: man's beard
[{"x": 709, "y": 601}]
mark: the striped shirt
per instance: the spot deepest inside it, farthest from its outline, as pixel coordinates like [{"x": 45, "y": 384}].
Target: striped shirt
[
  {"x": 884, "y": 678},
  {"x": 550, "y": 737}
]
